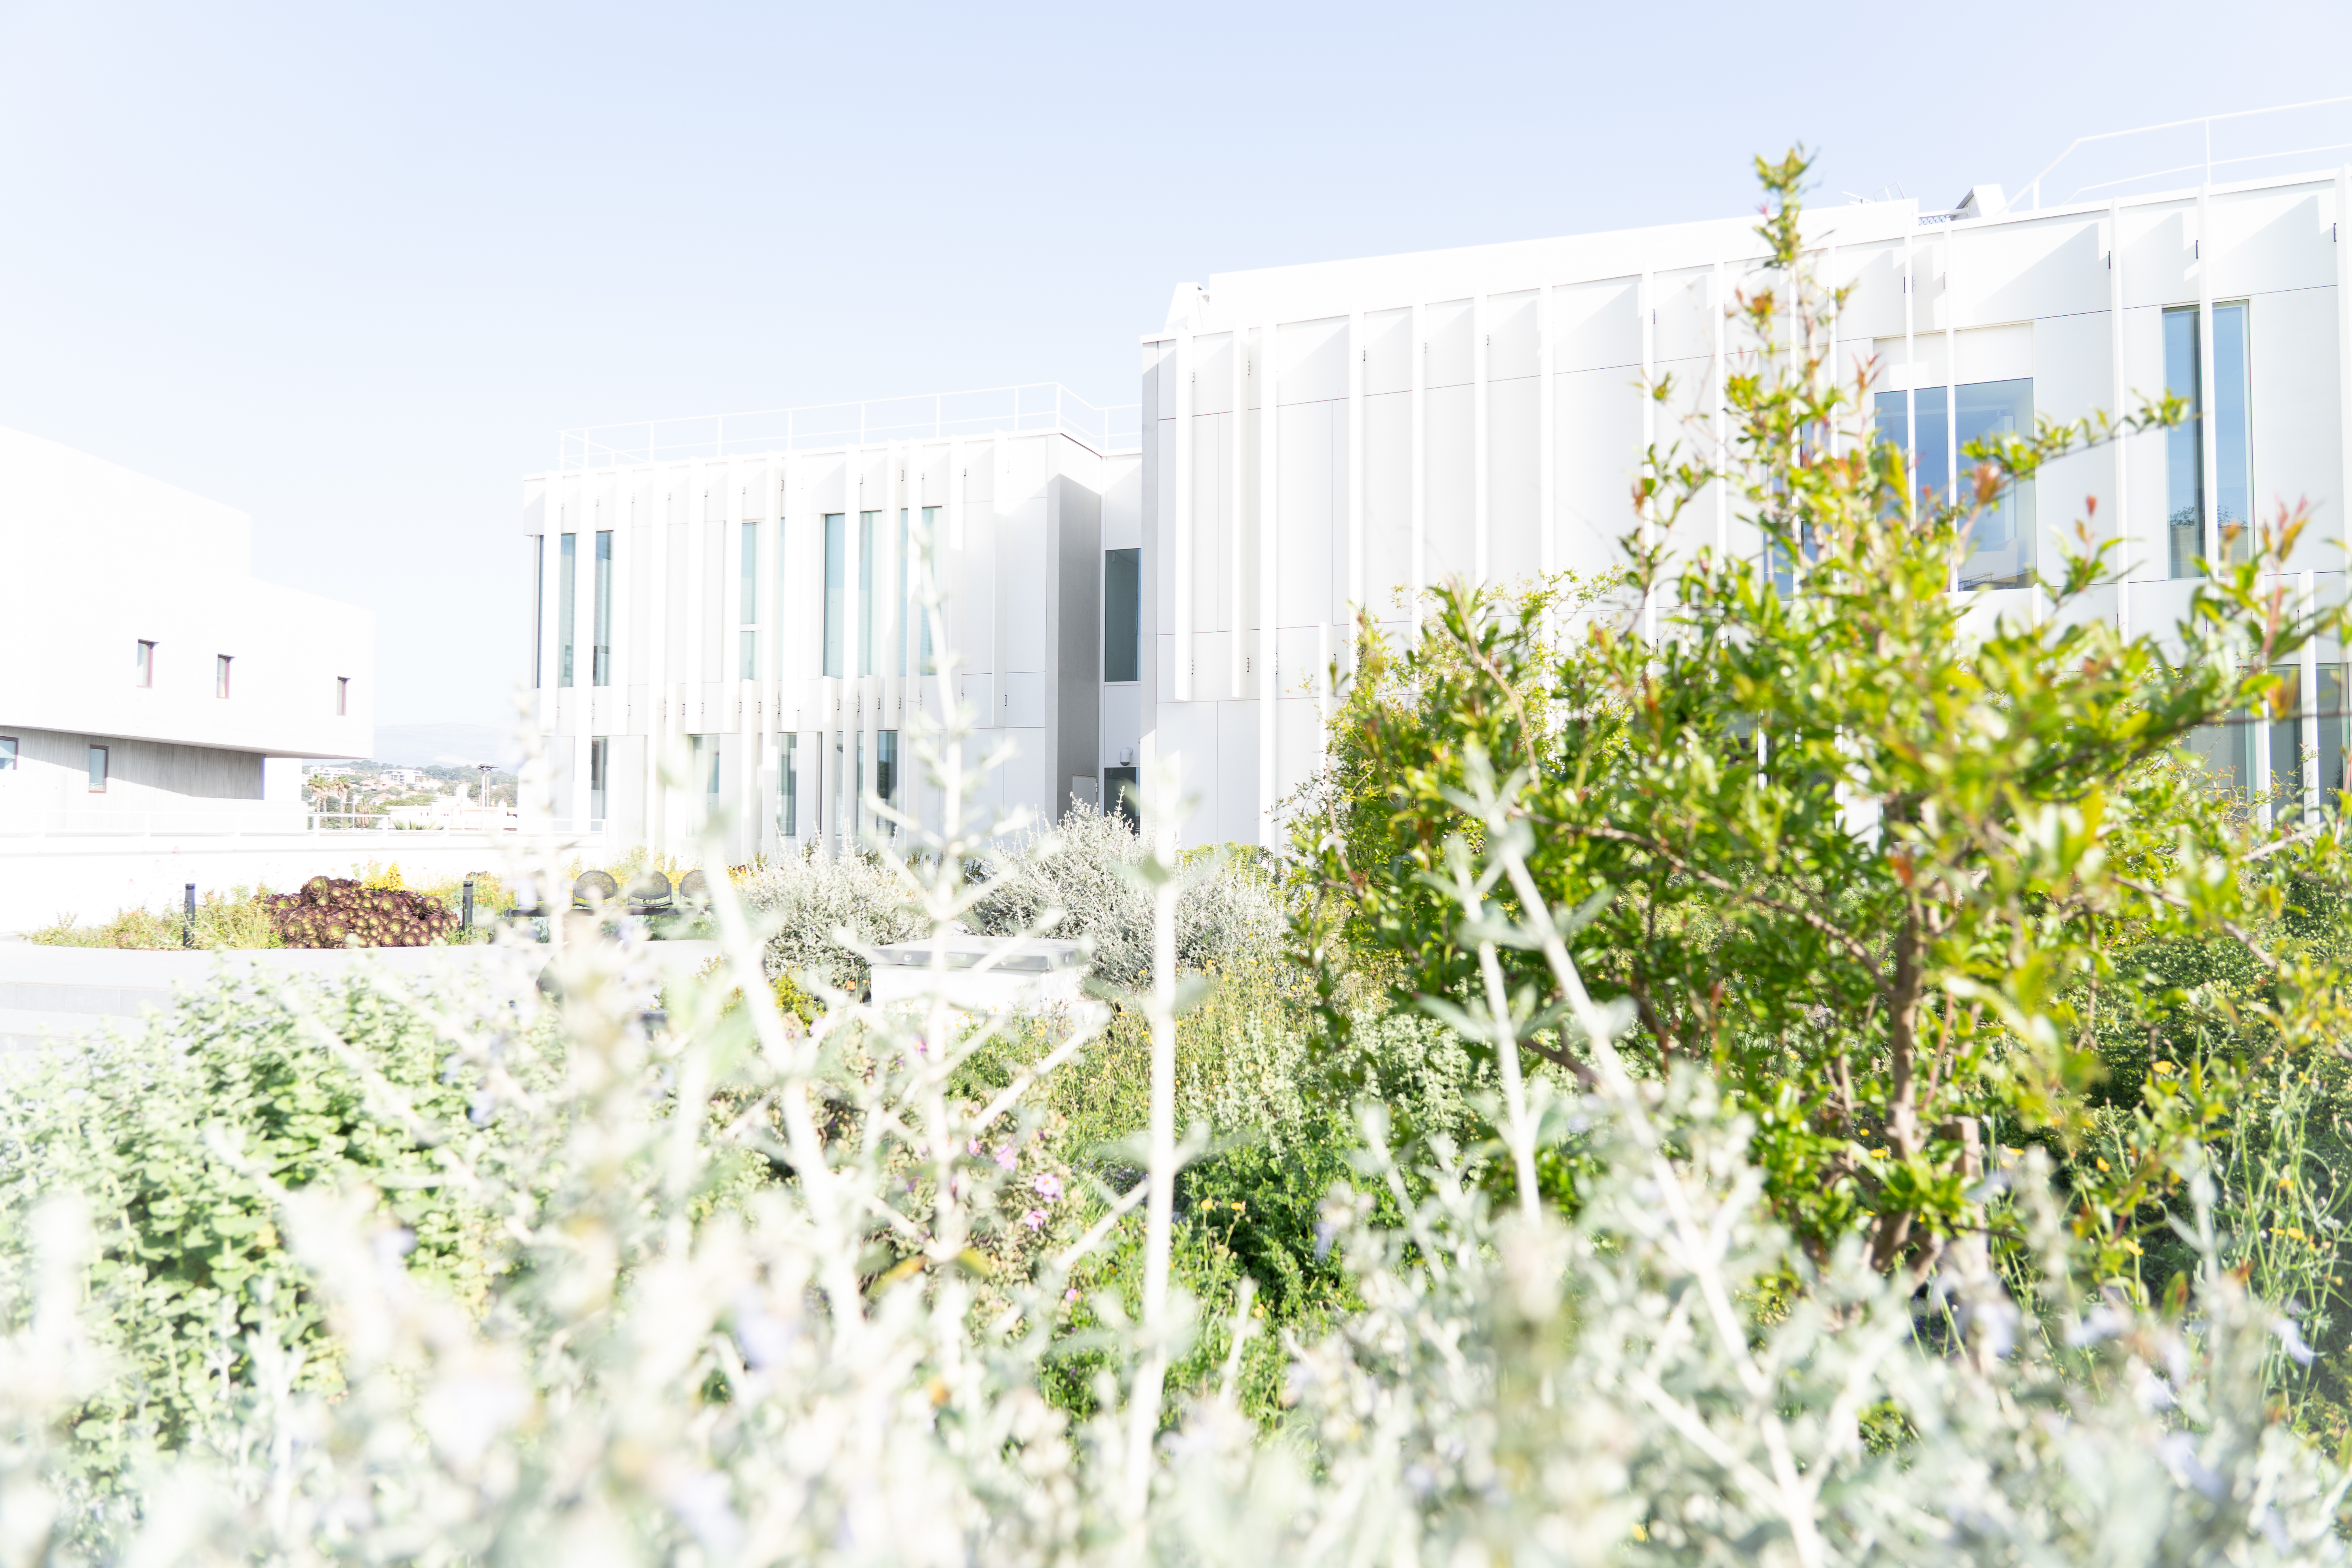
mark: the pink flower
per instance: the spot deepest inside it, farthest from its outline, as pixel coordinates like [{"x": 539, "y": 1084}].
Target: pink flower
[
  {"x": 1048, "y": 1186},
  {"x": 1006, "y": 1155},
  {"x": 1071, "y": 1294},
  {"x": 1034, "y": 1219}
]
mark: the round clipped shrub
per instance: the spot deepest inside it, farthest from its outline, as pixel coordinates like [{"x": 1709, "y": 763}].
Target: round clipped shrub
[{"x": 336, "y": 912}]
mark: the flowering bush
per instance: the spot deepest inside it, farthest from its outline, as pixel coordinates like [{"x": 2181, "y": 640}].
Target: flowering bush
[{"x": 1085, "y": 868}]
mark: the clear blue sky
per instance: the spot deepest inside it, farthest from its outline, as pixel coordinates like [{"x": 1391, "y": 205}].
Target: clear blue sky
[{"x": 351, "y": 268}]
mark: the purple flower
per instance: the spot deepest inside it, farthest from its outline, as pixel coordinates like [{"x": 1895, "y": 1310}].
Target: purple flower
[
  {"x": 1034, "y": 1219},
  {"x": 1006, "y": 1156},
  {"x": 1048, "y": 1186}
]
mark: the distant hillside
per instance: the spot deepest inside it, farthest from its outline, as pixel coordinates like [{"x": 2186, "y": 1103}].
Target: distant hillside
[{"x": 452, "y": 745}]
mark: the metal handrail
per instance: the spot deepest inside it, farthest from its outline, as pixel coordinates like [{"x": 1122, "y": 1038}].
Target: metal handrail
[
  {"x": 1035, "y": 406},
  {"x": 2208, "y": 164}
]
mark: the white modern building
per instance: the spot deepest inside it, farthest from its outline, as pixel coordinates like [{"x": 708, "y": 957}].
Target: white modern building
[
  {"x": 155, "y": 695},
  {"x": 146, "y": 677},
  {"x": 727, "y": 608},
  {"x": 1319, "y": 438}
]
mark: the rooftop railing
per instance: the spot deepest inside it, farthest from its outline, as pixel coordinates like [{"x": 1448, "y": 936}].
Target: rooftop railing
[
  {"x": 1042, "y": 406},
  {"x": 18, "y": 825},
  {"x": 2248, "y": 137}
]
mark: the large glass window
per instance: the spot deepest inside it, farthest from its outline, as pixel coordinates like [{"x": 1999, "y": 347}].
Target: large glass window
[
  {"x": 836, "y": 547},
  {"x": 2229, "y": 753},
  {"x": 602, "y": 668},
  {"x": 869, "y": 529},
  {"x": 566, "y": 576},
  {"x": 2001, "y": 540},
  {"x": 1122, "y": 613}
]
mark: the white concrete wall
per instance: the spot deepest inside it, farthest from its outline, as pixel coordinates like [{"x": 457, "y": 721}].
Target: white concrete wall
[
  {"x": 1480, "y": 414},
  {"x": 99, "y": 559},
  {"x": 92, "y": 877}
]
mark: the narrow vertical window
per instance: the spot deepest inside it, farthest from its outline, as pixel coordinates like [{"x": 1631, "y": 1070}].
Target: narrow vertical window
[
  {"x": 1122, "y": 613},
  {"x": 709, "y": 744},
  {"x": 898, "y": 597},
  {"x": 867, "y": 531},
  {"x": 885, "y": 766},
  {"x": 788, "y": 794},
  {"x": 146, "y": 664},
  {"x": 98, "y": 769},
  {"x": 747, "y": 651},
  {"x": 601, "y": 669},
  {"x": 2184, "y": 444},
  {"x": 857, "y": 818},
  {"x": 599, "y": 771},
  {"x": 220, "y": 675},
  {"x": 342, "y": 696},
  {"x": 750, "y": 576},
  {"x": 2233, "y": 434},
  {"x": 537, "y": 606},
  {"x": 931, "y": 576},
  {"x": 567, "y": 571},
  {"x": 836, "y": 544},
  {"x": 7, "y": 753}
]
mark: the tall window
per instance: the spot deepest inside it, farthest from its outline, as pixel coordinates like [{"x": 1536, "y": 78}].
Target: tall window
[
  {"x": 930, "y": 547},
  {"x": 750, "y": 593},
  {"x": 868, "y": 527},
  {"x": 98, "y": 769},
  {"x": 898, "y": 597},
  {"x": 600, "y": 667},
  {"x": 788, "y": 794},
  {"x": 707, "y": 748},
  {"x": 220, "y": 675},
  {"x": 7, "y": 753},
  {"x": 886, "y": 765},
  {"x": 146, "y": 676},
  {"x": 2189, "y": 493},
  {"x": 2233, "y": 434},
  {"x": 1122, "y": 613},
  {"x": 342, "y": 696},
  {"x": 538, "y": 605},
  {"x": 1934, "y": 431},
  {"x": 2184, "y": 444},
  {"x": 837, "y": 544},
  {"x": 566, "y": 574},
  {"x": 599, "y": 771}
]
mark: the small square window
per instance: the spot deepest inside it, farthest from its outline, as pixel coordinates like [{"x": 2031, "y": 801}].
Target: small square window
[
  {"x": 146, "y": 664},
  {"x": 220, "y": 676},
  {"x": 98, "y": 769},
  {"x": 342, "y": 696}
]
